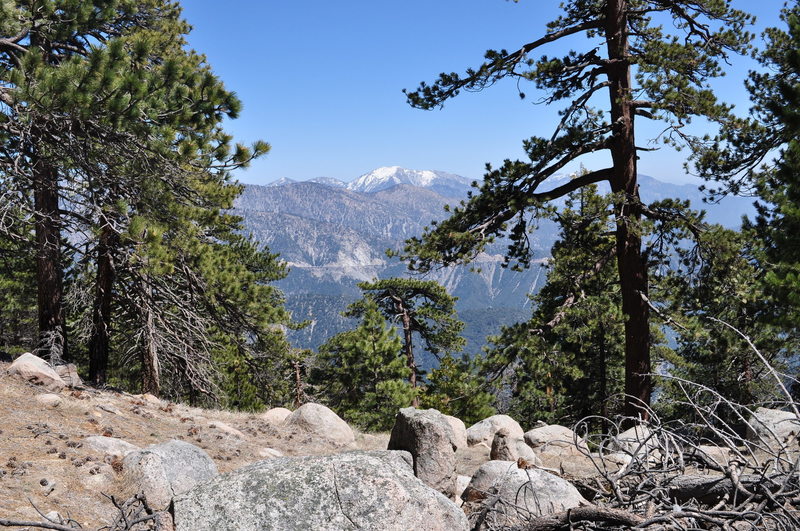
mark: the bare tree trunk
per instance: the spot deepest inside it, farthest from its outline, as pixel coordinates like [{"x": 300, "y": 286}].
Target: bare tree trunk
[
  {"x": 151, "y": 371},
  {"x": 408, "y": 348},
  {"x": 99, "y": 344},
  {"x": 298, "y": 384},
  {"x": 630, "y": 260},
  {"x": 49, "y": 275}
]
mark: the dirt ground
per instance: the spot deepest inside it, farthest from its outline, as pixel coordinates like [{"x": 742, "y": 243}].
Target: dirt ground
[{"x": 45, "y": 465}]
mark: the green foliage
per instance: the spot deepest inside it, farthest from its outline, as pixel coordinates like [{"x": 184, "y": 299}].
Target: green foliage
[
  {"x": 566, "y": 362},
  {"x": 361, "y": 373},
  {"x": 418, "y": 307},
  {"x": 109, "y": 97},
  {"x": 17, "y": 290},
  {"x": 457, "y": 388},
  {"x": 652, "y": 60},
  {"x": 718, "y": 294}
]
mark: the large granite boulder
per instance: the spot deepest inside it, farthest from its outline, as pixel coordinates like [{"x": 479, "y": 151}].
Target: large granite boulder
[
  {"x": 319, "y": 421},
  {"x": 37, "y": 371},
  {"x": 503, "y": 495},
  {"x": 483, "y": 432},
  {"x": 555, "y": 440},
  {"x": 165, "y": 470},
  {"x": 429, "y": 438},
  {"x": 356, "y": 490},
  {"x": 505, "y": 448},
  {"x": 774, "y": 427}
]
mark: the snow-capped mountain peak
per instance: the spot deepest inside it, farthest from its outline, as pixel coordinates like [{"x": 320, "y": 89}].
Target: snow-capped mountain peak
[
  {"x": 447, "y": 184},
  {"x": 329, "y": 181},
  {"x": 282, "y": 181}
]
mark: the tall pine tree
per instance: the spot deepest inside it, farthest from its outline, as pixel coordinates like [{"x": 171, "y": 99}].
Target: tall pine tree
[{"x": 644, "y": 68}]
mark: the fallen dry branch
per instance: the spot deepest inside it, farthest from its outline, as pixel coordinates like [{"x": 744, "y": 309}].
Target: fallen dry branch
[{"x": 569, "y": 518}]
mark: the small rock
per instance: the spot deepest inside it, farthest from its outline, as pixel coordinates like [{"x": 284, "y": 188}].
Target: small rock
[
  {"x": 49, "y": 400},
  {"x": 224, "y": 428},
  {"x": 110, "y": 445},
  {"x": 35, "y": 370},
  {"x": 275, "y": 415},
  {"x": 555, "y": 440},
  {"x": 319, "y": 421},
  {"x": 108, "y": 408},
  {"x": 483, "y": 432},
  {"x": 69, "y": 373},
  {"x": 505, "y": 448},
  {"x": 268, "y": 453}
]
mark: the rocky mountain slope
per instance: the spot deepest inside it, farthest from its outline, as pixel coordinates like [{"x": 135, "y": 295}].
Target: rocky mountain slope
[{"x": 334, "y": 235}]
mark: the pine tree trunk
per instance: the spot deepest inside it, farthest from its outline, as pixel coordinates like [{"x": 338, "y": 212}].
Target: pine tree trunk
[
  {"x": 630, "y": 260},
  {"x": 409, "y": 350},
  {"x": 101, "y": 314},
  {"x": 49, "y": 276},
  {"x": 151, "y": 371}
]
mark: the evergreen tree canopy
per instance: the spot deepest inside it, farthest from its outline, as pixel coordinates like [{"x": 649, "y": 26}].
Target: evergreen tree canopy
[
  {"x": 361, "y": 373},
  {"x": 645, "y": 58},
  {"x": 421, "y": 307}
]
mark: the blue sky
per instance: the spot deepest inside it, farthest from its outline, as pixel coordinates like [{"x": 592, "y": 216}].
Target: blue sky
[{"x": 321, "y": 82}]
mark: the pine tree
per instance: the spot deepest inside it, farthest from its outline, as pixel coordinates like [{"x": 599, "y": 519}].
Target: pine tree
[
  {"x": 645, "y": 69},
  {"x": 456, "y": 387},
  {"x": 566, "y": 362},
  {"x": 361, "y": 373},
  {"x": 421, "y": 307}
]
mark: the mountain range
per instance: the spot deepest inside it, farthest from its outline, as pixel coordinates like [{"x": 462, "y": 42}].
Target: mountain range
[{"x": 334, "y": 234}]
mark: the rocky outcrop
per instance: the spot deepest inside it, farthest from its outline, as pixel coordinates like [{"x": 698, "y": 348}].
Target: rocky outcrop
[
  {"x": 773, "y": 426},
  {"x": 49, "y": 400},
  {"x": 555, "y": 440},
  {"x": 369, "y": 490},
  {"x": 483, "y": 432},
  {"x": 428, "y": 437},
  {"x": 503, "y": 495},
  {"x": 319, "y": 421},
  {"x": 36, "y": 371},
  {"x": 165, "y": 470},
  {"x": 505, "y": 448}
]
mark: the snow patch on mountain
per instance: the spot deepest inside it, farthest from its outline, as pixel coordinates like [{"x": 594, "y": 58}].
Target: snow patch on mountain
[{"x": 329, "y": 181}]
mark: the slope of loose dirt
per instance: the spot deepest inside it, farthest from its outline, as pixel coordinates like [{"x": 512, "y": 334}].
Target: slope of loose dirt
[{"x": 45, "y": 465}]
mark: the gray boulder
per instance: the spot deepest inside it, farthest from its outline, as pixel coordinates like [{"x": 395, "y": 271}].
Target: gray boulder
[
  {"x": 357, "y": 490},
  {"x": 555, "y": 440},
  {"x": 503, "y": 495},
  {"x": 69, "y": 374},
  {"x": 774, "y": 427},
  {"x": 37, "y": 371},
  {"x": 429, "y": 438},
  {"x": 459, "y": 431},
  {"x": 165, "y": 470},
  {"x": 319, "y": 421},
  {"x": 505, "y": 448},
  {"x": 275, "y": 415},
  {"x": 483, "y": 432}
]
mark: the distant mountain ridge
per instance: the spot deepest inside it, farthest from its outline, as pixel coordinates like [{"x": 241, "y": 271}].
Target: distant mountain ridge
[{"x": 334, "y": 235}]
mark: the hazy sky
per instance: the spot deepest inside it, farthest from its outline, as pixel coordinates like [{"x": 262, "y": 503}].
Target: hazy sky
[{"x": 321, "y": 81}]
